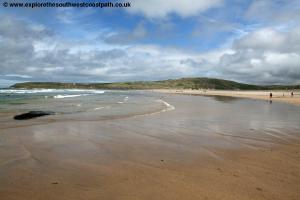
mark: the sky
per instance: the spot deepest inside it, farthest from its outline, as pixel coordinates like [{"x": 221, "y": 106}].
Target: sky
[{"x": 249, "y": 41}]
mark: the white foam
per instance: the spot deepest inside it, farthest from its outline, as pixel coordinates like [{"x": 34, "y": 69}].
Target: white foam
[
  {"x": 98, "y": 91},
  {"x": 68, "y": 96},
  {"x": 85, "y": 91},
  {"x": 13, "y": 91},
  {"x": 99, "y": 108},
  {"x": 32, "y": 91},
  {"x": 169, "y": 107}
]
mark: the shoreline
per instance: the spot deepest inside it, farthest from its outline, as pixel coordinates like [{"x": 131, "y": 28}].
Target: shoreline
[{"x": 278, "y": 95}]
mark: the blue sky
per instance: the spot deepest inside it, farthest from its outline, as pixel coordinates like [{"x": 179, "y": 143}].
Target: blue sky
[{"x": 250, "y": 41}]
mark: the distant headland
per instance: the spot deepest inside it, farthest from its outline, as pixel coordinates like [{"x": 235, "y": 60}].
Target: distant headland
[{"x": 183, "y": 83}]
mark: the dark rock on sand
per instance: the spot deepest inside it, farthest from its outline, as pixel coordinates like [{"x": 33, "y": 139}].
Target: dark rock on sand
[{"x": 32, "y": 114}]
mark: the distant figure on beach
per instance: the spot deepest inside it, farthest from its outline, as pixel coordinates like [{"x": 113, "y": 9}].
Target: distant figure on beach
[
  {"x": 271, "y": 95},
  {"x": 292, "y": 94}
]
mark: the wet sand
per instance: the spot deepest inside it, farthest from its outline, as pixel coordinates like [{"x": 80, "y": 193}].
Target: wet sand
[
  {"x": 207, "y": 148},
  {"x": 278, "y": 95}
]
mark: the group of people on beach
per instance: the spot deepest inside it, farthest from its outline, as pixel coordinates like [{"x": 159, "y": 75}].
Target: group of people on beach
[{"x": 271, "y": 94}]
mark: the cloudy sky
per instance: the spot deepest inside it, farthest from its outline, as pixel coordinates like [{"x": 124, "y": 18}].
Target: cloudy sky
[{"x": 251, "y": 41}]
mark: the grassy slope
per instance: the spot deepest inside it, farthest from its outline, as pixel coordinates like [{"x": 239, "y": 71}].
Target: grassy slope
[{"x": 184, "y": 83}]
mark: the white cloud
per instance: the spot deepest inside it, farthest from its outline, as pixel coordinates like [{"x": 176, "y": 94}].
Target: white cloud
[
  {"x": 266, "y": 55},
  {"x": 158, "y": 8},
  {"x": 266, "y": 38},
  {"x": 208, "y": 28},
  {"x": 125, "y": 37},
  {"x": 71, "y": 16},
  {"x": 273, "y": 12}
]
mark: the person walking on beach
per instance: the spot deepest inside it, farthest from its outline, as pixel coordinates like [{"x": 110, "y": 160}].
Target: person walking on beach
[
  {"x": 271, "y": 95},
  {"x": 292, "y": 94}
]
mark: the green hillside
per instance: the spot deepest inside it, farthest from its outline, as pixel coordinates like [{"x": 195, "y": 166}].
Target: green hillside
[{"x": 184, "y": 83}]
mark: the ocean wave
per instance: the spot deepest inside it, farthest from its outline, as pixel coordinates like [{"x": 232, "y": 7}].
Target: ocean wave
[
  {"x": 68, "y": 96},
  {"x": 85, "y": 90},
  {"x": 101, "y": 107},
  {"x": 169, "y": 107},
  {"x": 98, "y": 108},
  {"x": 12, "y": 91},
  {"x": 98, "y": 91},
  {"x": 33, "y": 91}
]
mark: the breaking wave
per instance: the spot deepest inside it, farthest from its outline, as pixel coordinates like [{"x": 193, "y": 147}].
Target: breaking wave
[
  {"x": 33, "y": 91},
  {"x": 69, "y": 96}
]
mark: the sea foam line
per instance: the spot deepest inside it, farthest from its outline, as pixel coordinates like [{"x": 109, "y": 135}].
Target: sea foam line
[
  {"x": 169, "y": 106},
  {"x": 98, "y": 108},
  {"x": 21, "y": 91},
  {"x": 32, "y": 91},
  {"x": 68, "y": 96}
]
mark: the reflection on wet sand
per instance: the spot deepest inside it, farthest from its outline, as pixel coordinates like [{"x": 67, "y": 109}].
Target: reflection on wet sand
[
  {"x": 225, "y": 99},
  {"x": 204, "y": 149}
]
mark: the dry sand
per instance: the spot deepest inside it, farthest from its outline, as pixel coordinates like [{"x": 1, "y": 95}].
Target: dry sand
[
  {"x": 278, "y": 95},
  {"x": 162, "y": 156}
]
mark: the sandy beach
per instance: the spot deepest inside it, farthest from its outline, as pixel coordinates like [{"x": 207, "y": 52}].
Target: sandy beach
[
  {"x": 204, "y": 148},
  {"x": 277, "y": 95}
]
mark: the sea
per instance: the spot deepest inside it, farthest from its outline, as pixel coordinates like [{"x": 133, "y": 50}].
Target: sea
[
  {"x": 205, "y": 113},
  {"x": 81, "y": 103}
]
